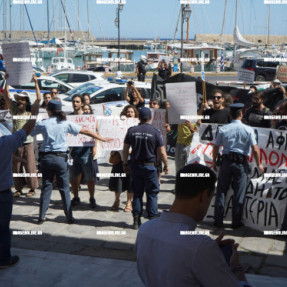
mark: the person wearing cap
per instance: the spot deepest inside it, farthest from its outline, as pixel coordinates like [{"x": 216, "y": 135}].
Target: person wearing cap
[
  {"x": 275, "y": 84},
  {"x": 140, "y": 68},
  {"x": 54, "y": 156},
  {"x": 256, "y": 115},
  {"x": 147, "y": 144},
  {"x": 236, "y": 139},
  {"x": 8, "y": 144},
  {"x": 170, "y": 252},
  {"x": 24, "y": 156}
]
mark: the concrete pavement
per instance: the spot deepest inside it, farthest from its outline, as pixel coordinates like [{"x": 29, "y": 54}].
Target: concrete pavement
[{"x": 102, "y": 233}]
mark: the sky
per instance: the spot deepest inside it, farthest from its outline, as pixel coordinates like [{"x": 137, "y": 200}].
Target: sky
[{"x": 152, "y": 18}]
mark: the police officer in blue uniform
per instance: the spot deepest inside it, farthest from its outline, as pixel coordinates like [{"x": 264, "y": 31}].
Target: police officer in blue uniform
[
  {"x": 54, "y": 156},
  {"x": 146, "y": 143},
  {"x": 236, "y": 139}
]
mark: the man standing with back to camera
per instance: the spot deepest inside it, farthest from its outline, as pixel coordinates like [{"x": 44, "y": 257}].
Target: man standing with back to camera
[
  {"x": 236, "y": 139},
  {"x": 147, "y": 144}
]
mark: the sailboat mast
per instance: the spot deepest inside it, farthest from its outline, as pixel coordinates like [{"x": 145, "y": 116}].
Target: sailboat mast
[
  {"x": 5, "y": 19},
  {"x": 235, "y": 24},
  {"x": 48, "y": 17},
  {"x": 88, "y": 20},
  {"x": 10, "y": 10},
  {"x": 268, "y": 25}
]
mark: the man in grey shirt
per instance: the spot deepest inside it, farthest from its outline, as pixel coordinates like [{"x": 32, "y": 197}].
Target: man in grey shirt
[{"x": 170, "y": 254}]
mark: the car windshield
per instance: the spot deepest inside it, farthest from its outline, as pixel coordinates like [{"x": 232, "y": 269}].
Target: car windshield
[
  {"x": 89, "y": 90},
  {"x": 79, "y": 89}
]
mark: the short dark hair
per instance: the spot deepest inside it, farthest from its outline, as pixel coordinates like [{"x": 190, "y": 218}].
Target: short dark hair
[
  {"x": 216, "y": 91},
  {"x": 78, "y": 96},
  {"x": 188, "y": 186},
  {"x": 235, "y": 113},
  {"x": 260, "y": 94}
]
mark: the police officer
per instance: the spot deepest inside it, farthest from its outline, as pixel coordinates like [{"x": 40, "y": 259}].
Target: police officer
[
  {"x": 54, "y": 156},
  {"x": 146, "y": 143},
  {"x": 236, "y": 139}
]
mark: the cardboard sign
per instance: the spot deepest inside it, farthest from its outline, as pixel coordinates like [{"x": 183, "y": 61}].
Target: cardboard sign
[
  {"x": 246, "y": 76},
  {"x": 116, "y": 129},
  {"x": 18, "y": 63},
  {"x": 266, "y": 198},
  {"x": 282, "y": 74},
  {"x": 158, "y": 121},
  {"x": 183, "y": 102}
]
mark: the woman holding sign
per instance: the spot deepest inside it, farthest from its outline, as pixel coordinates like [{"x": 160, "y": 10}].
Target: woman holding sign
[{"x": 54, "y": 156}]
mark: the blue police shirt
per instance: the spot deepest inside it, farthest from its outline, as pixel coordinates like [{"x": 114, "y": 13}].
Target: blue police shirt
[
  {"x": 9, "y": 144},
  {"x": 54, "y": 133},
  {"x": 236, "y": 137},
  {"x": 144, "y": 139}
]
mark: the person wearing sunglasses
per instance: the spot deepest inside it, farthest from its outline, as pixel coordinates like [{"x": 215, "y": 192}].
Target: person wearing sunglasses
[
  {"x": 54, "y": 93},
  {"x": 219, "y": 114}
]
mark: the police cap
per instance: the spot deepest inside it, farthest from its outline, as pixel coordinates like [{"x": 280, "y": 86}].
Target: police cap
[
  {"x": 237, "y": 106},
  {"x": 54, "y": 105},
  {"x": 145, "y": 114}
]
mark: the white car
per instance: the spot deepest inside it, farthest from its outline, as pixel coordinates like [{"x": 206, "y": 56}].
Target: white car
[
  {"x": 46, "y": 83},
  {"x": 107, "y": 93},
  {"x": 76, "y": 78}
]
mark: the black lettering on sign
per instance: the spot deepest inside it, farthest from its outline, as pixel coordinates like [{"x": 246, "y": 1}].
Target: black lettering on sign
[
  {"x": 277, "y": 191},
  {"x": 280, "y": 140},
  {"x": 256, "y": 135},
  {"x": 283, "y": 194},
  {"x": 259, "y": 188},
  {"x": 270, "y": 140},
  {"x": 273, "y": 213},
  {"x": 229, "y": 205},
  {"x": 265, "y": 215},
  {"x": 246, "y": 205},
  {"x": 260, "y": 208},
  {"x": 217, "y": 130},
  {"x": 254, "y": 173},
  {"x": 207, "y": 134},
  {"x": 249, "y": 189},
  {"x": 251, "y": 210}
]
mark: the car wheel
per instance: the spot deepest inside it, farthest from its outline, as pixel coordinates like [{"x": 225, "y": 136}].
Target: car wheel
[{"x": 260, "y": 78}]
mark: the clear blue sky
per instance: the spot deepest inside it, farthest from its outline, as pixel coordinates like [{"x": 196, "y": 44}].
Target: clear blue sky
[{"x": 153, "y": 18}]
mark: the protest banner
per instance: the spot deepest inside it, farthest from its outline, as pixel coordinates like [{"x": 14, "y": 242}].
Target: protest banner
[
  {"x": 158, "y": 121},
  {"x": 282, "y": 74},
  {"x": 266, "y": 197},
  {"x": 183, "y": 102},
  {"x": 86, "y": 121},
  {"x": 116, "y": 129},
  {"x": 246, "y": 76},
  {"x": 18, "y": 63},
  {"x": 4, "y": 131}
]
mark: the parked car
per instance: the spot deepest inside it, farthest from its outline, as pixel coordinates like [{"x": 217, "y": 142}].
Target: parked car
[
  {"x": 46, "y": 83},
  {"x": 265, "y": 69},
  {"x": 108, "y": 93},
  {"x": 76, "y": 78}
]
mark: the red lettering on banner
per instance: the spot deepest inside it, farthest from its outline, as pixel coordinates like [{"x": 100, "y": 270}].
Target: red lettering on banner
[
  {"x": 196, "y": 149},
  {"x": 262, "y": 153},
  {"x": 283, "y": 157},
  {"x": 207, "y": 146},
  {"x": 270, "y": 158}
]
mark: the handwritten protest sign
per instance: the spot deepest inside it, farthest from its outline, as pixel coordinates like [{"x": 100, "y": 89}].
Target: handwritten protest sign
[
  {"x": 158, "y": 121},
  {"x": 18, "y": 63},
  {"x": 86, "y": 121},
  {"x": 116, "y": 129},
  {"x": 266, "y": 197},
  {"x": 282, "y": 74},
  {"x": 182, "y": 99}
]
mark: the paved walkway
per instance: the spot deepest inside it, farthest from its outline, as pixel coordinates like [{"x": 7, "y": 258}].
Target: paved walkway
[{"x": 106, "y": 234}]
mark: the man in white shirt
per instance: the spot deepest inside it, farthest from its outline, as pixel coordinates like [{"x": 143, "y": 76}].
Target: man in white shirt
[{"x": 170, "y": 254}]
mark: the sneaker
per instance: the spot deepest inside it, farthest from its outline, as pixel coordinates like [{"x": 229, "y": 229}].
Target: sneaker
[
  {"x": 93, "y": 202},
  {"x": 18, "y": 193},
  {"x": 41, "y": 220},
  {"x": 13, "y": 260},
  {"x": 75, "y": 201}
]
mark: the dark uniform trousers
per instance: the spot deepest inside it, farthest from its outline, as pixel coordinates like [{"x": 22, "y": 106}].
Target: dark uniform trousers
[
  {"x": 52, "y": 165},
  {"x": 6, "y": 203},
  {"x": 238, "y": 172},
  {"x": 144, "y": 178}
]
